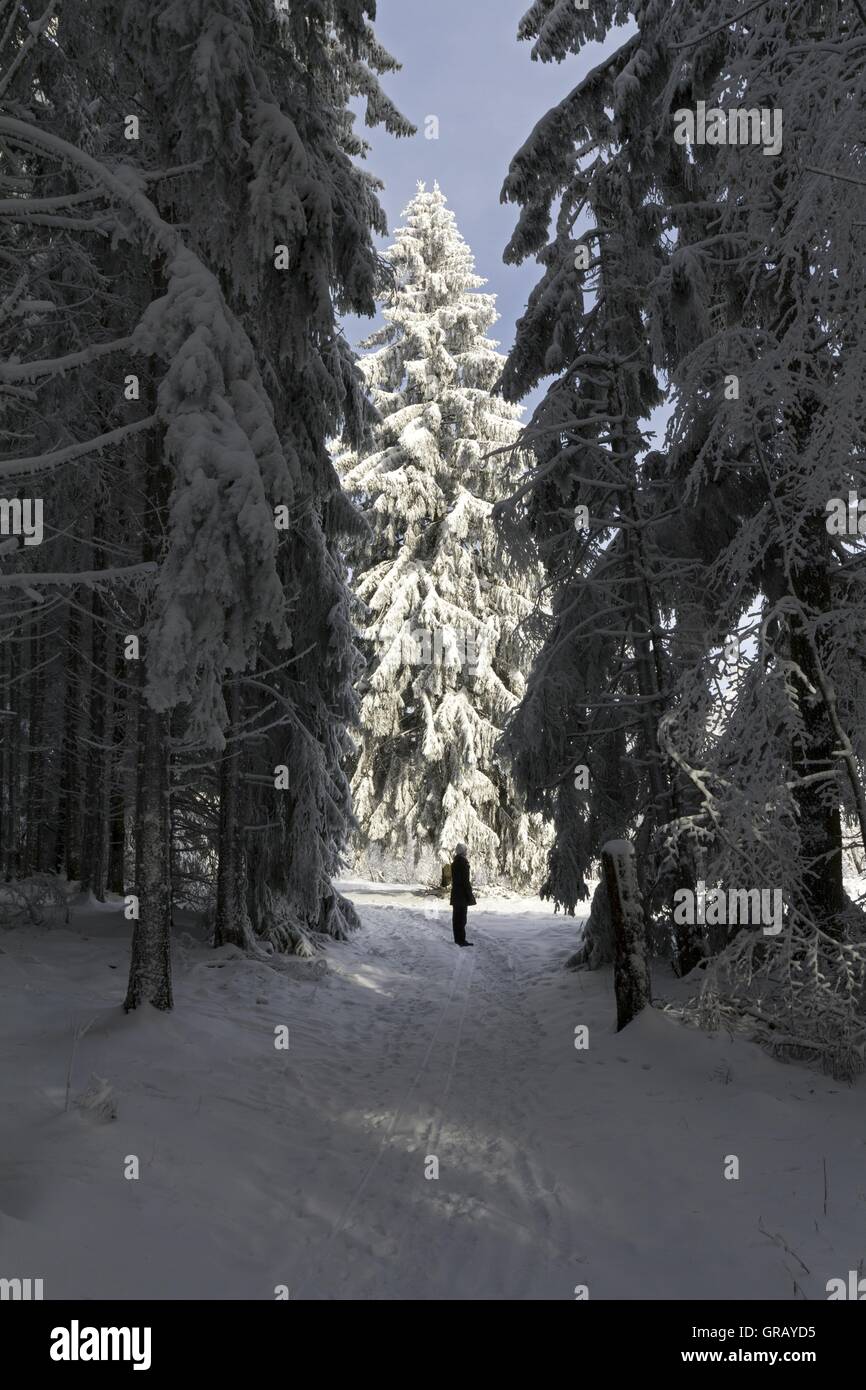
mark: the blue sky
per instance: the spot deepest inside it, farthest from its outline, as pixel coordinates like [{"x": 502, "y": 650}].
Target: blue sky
[{"x": 463, "y": 64}]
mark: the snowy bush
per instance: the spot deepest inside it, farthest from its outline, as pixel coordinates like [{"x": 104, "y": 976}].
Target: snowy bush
[
  {"x": 801, "y": 995},
  {"x": 39, "y": 900},
  {"x": 597, "y": 947}
]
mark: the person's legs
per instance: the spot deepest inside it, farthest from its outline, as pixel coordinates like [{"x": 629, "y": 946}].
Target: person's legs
[{"x": 458, "y": 922}]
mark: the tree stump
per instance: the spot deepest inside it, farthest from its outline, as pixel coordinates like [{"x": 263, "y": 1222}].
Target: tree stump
[
  {"x": 446, "y": 876},
  {"x": 630, "y": 969}
]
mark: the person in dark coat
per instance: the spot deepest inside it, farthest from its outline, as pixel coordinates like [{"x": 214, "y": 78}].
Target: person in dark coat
[{"x": 462, "y": 896}]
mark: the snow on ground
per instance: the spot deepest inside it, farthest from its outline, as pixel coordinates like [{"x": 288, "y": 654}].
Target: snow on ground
[{"x": 306, "y": 1167}]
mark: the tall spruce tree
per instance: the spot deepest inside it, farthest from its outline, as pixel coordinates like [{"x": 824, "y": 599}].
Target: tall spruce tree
[
  {"x": 225, "y": 225},
  {"x": 443, "y": 613},
  {"x": 749, "y": 317},
  {"x": 584, "y": 740},
  {"x": 759, "y": 317}
]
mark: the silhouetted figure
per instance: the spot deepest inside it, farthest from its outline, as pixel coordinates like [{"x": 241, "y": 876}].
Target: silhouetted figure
[{"x": 462, "y": 896}]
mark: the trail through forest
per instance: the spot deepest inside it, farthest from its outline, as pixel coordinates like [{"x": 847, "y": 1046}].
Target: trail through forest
[{"x": 315, "y": 1167}]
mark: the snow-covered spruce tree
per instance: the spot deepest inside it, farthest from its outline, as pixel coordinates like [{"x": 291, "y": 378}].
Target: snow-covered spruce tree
[
  {"x": 442, "y": 609},
  {"x": 309, "y": 196},
  {"x": 770, "y": 395},
  {"x": 752, "y": 317},
  {"x": 244, "y": 378},
  {"x": 65, "y": 330},
  {"x": 584, "y": 740},
  {"x": 763, "y": 306},
  {"x": 210, "y": 455},
  {"x": 266, "y": 123}
]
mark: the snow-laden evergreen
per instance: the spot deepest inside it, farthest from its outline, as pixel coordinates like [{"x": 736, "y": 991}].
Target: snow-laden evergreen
[
  {"x": 584, "y": 740},
  {"x": 442, "y": 608},
  {"x": 761, "y": 318},
  {"x": 188, "y": 222},
  {"x": 749, "y": 314}
]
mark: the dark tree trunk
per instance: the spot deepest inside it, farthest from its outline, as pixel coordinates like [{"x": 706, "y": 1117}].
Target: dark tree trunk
[
  {"x": 91, "y": 755},
  {"x": 150, "y": 965},
  {"x": 129, "y": 797},
  {"x": 33, "y": 768},
  {"x": 98, "y": 760},
  {"x": 232, "y": 925},
  {"x": 13, "y": 772},
  {"x": 103, "y": 770},
  {"x": 68, "y": 828},
  {"x": 820, "y": 820},
  {"x": 52, "y": 757},
  {"x": 649, "y": 674},
  {"x": 631, "y": 971},
  {"x": 10, "y": 736}
]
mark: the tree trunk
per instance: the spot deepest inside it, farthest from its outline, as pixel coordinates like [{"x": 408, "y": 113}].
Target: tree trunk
[
  {"x": 150, "y": 965},
  {"x": 12, "y": 838},
  {"x": 68, "y": 828},
  {"x": 10, "y": 736},
  {"x": 630, "y": 969},
  {"x": 649, "y": 671},
  {"x": 820, "y": 820},
  {"x": 104, "y": 772},
  {"x": 55, "y": 678},
  {"x": 130, "y": 797},
  {"x": 91, "y": 756},
  {"x": 33, "y": 768},
  {"x": 232, "y": 925},
  {"x": 98, "y": 759}
]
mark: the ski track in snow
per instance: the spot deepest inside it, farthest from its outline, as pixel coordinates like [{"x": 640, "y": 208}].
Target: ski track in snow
[{"x": 306, "y": 1168}]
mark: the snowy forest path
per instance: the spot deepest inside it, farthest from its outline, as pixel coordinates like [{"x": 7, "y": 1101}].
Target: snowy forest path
[
  {"x": 452, "y": 1164},
  {"x": 568, "y": 1154}
]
